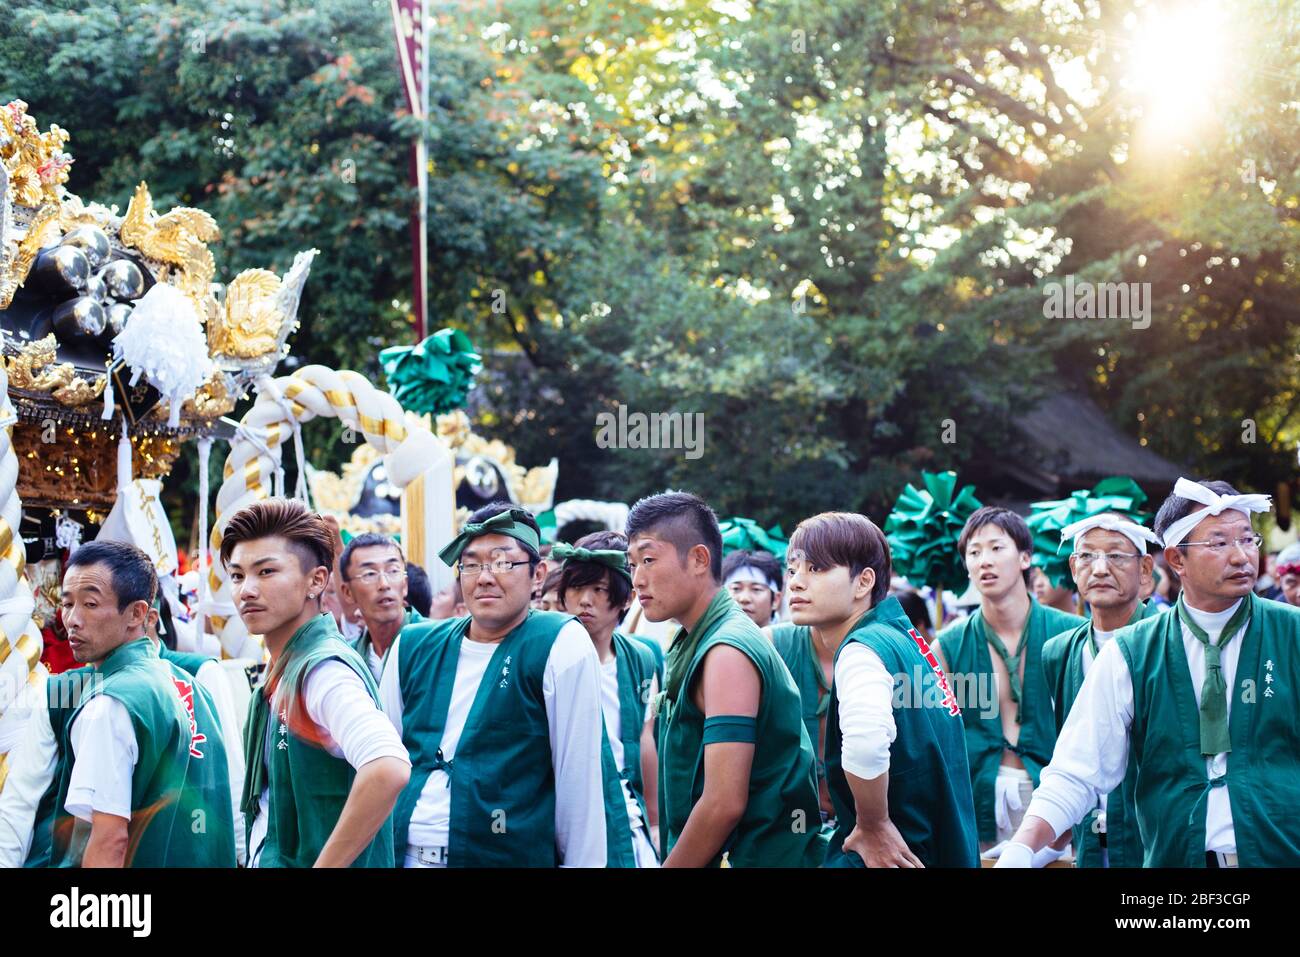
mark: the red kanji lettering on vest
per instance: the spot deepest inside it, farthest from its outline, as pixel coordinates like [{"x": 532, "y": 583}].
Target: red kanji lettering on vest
[
  {"x": 186, "y": 690},
  {"x": 949, "y": 699}
]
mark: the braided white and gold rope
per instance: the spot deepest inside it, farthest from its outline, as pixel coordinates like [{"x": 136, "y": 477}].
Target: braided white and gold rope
[
  {"x": 256, "y": 450},
  {"x": 20, "y": 638}
]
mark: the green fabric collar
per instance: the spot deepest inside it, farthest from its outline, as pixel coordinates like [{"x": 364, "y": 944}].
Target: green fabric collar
[
  {"x": 1010, "y": 659},
  {"x": 512, "y": 522},
  {"x": 1214, "y": 690},
  {"x": 128, "y": 653}
]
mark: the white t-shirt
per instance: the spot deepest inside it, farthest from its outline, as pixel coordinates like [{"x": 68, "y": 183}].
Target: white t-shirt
[
  {"x": 571, "y": 691},
  {"x": 1091, "y": 755},
  {"x": 355, "y": 730}
]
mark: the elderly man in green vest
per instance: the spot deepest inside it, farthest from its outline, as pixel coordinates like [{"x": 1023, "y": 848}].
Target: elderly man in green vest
[
  {"x": 895, "y": 762},
  {"x": 323, "y": 765},
  {"x": 1000, "y": 645},
  {"x": 596, "y": 585},
  {"x": 736, "y": 773},
  {"x": 138, "y": 780},
  {"x": 1201, "y": 696},
  {"x": 372, "y": 576},
  {"x": 500, "y": 711},
  {"x": 1109, "y": 563}
]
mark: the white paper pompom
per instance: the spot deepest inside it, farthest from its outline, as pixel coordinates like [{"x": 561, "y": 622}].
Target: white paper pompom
[{"x": 164, "y": 341}]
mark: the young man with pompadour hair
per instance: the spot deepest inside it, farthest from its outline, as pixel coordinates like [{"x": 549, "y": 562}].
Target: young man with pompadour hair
[
  {"x": 736, "y": 768},
  {"x": 500, "y": 711},
  {"x": 324, "y": 766},
  {"x": 895, "y": 762}
]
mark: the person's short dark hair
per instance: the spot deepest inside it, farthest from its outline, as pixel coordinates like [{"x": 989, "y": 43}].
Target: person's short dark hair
[
  {"x": 552, "y": 584},
  {"x": 419, "y": 592},
  {"x": 1176, "y": 507},
  {"x": 496, "y": 508},
  {"x": 764, "y": 562},
  {"x": 581, "y": 574},
  {"x": 683, "y": 519},
  {"x": 845, "y": 538},
  {"x": 306, "y": 532},
  {"x": 914, "y": 607},
  {"x": 130, "y": 570},
  {"x": 365, "y": 540},
  {"x": 1017, "y": 530}
]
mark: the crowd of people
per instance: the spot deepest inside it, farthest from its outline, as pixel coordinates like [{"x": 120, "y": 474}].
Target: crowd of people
[{"x": 633, "y": 699}]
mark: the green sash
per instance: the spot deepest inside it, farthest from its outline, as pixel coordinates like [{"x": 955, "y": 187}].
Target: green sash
[
  {"x": 781, "y": 823},
  {"x": 1263, "y": 768},
  {"x": 970, "y": 667},
  {"x": 1063, "y": 670}
]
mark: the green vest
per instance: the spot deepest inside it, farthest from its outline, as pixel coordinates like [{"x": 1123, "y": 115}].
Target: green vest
[
  {"x": 308, "y": 785},
  {"x": 970, "y": 666},
  {"x": 1263, "y": 773},
  {"x": 636, "y": 670},
  {"x": 502, "y": 776},
  {"x": 929, "y": 782},
  {"x": 657, "y": 652},
  {"x": 794, "y": 644},
  {"x": 782, "y": 817},
  {"x": 1063, "y": 670},
  {"x": 361, "y": 644},
  {"x": 62, "y": 695},
  {"x": 180, "y": 787}
]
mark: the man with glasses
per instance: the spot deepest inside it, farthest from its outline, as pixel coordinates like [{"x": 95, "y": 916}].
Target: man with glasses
[
  {"x": 1202, "y": 697},
  {"x": 1109, "y": 565},
  {"x": 372, "y": 573},
  {"x": 501, "y": 714}
]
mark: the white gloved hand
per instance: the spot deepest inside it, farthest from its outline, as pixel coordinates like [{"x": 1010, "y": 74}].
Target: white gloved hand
[
  {"x": 1013, "y": 854},
  {"x": 1046, "y": 855},
  {"x": 1006, "y": 798}
]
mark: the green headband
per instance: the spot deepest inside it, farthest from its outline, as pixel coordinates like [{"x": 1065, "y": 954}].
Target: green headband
[
  {"x": 611, "y": 558},
  {"x": 510, "y": 522}
]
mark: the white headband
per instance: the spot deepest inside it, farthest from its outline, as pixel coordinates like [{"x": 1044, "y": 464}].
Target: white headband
[
  {"x": 748, "y": 573},
  {"x": 1112, "y": 522},
  {"x": 1214, "y": 505}
]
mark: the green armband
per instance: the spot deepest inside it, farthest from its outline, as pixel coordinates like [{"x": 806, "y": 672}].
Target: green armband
[{"x": 730, "y": 727}]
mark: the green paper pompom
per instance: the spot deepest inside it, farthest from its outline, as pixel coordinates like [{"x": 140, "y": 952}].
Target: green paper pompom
[
  {"x": 1046, "y": 519},
  {"x": 434, "y": 377},
  {"x": 923, "y": 529},
  {"x": 745, "y": 534}
]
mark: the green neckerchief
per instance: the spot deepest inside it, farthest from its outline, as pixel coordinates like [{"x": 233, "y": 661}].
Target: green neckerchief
[
  {"x": 1011, "y": 661},
  {"x": 823, "y": 700},
  {"x": 612, "y": 558},
  {"x": 1137, "y": 616},
  {"x": 1214, "y": 690},
  {"x": 255, "y": 776},
  {"x": 511, "y": 522},
  {"x": 682, "y": 649}
]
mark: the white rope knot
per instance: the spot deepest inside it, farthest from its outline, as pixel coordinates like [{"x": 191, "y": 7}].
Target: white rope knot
[
  {"x": 266, "y": 385},
  {"x": 1139, "y": 535},
  {"x": 1215, "y": 504}
]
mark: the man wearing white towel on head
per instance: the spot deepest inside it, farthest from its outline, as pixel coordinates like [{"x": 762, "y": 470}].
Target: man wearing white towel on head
[{"x": 1202, "y": 696}]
